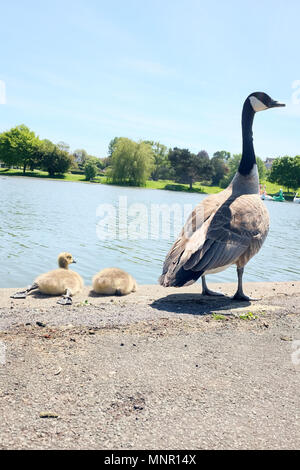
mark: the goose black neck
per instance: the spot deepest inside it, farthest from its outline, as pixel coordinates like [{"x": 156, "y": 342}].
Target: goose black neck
[{"x": 248, "y": 156}]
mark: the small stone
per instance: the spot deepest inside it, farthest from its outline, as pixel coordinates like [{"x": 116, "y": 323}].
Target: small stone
[
  {"x": 41, "y": 324},
  {"x": 48, "y": 414},
  {"x": 286, "y": 338}
]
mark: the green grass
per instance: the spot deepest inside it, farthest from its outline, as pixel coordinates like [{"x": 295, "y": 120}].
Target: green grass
[
  {"x": 41, "y": 174},
  {"x": 218, "y": 317},
  {"x": 248, "y": 316}
]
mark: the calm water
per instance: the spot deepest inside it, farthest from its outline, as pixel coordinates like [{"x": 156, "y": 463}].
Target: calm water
[{"x": 40, "y": 218}]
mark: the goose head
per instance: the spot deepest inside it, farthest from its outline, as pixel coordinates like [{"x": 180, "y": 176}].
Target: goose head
[
  {"x": 64, "y": 259},
  {"x": 260, "y": 101},
  {"x": 257, "y": 101}
]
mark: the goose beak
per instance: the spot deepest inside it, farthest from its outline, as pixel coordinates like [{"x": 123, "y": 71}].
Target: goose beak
[{"x": 276, "y": 104}]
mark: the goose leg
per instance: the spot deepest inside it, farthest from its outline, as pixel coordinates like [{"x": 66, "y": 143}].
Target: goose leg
[
  {"x": 66, "y": 299},
  {"x": 239, "y": 295},
  {"x": 207, "y": 291},
  {"x": 23, "y": 294}
]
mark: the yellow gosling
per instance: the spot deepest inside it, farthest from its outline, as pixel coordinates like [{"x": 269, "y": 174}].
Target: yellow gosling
[
  {"x": 114, "y": 281},
  {"x": 61, "y": 281}
]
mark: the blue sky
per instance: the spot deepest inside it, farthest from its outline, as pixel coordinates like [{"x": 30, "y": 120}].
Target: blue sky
[{"x": 173, "y": 71}]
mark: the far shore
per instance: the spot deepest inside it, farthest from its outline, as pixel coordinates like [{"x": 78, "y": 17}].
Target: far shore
[{"x": 198, "y": 187}]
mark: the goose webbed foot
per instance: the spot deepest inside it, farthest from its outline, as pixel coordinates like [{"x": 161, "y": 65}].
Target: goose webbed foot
[
  {"x": 66, "y": 299},
  {"x": 19, "y": 295},
  {"x": 239, "y": 295},
  {"x": 207, "y": 291},
  {"x": 212, "y": 293},
  {"x": 23, "y": 293}
]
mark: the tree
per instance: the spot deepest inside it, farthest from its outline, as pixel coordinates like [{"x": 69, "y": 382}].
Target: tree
[
  {"x": 98, "y": 162},
  {"x": 189, "y": 167},
  {"x": 105, "y": 162},
  {"x": 261, "y": 167},
  {"x": 220, "y": 169},
  {"x": 54, "y": 159},
  {"x": 286, "y": 171},
  {"x": 63, "y": 146},
  {"x": 162, "y": 169},
  {"x": 222, "y": 154},
  {"x": 204, "y": 166},
  {"x": 80, "y": 156},
  {"x": 90, "y": 169},
  {"x": 112, "y": 145},
  {"x": 132, "y": 162},
  {"x": 233, "y": 164},
  {"x": 18, "y": 147}
]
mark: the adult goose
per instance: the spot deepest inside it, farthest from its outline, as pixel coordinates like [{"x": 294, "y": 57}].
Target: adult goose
[
  {"x": 225, "y": 228},
  {"x": 61, "y": 281}
]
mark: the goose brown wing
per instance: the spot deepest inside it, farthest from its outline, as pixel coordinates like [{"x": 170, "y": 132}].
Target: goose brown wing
[
  {"x": 239, "y": 224},
  {"x": 191, "y": 238},
  {"x": 228, "y": 233}
]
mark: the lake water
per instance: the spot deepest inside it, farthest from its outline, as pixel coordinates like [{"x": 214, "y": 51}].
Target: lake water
[{"x": 40, "y": 218}]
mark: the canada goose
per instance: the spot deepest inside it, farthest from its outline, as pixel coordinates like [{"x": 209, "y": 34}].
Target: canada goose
[
  {"x": 225, "y": 228},
  {"x": 61, "y": 281},
  {"x": 114, "y": 281}
]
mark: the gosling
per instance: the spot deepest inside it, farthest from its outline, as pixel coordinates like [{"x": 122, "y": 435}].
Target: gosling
[
  {"x": 61, "y": 281},
  {"x": 114, "y": 281}
]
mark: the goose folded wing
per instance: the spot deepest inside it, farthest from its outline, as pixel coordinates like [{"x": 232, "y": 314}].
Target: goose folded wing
[
  {"x": 191, "y": 236},
  {"x": 224, "y": 243}
]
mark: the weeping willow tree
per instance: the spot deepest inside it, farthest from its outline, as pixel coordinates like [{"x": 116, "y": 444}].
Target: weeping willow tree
[{"x": 131, "y": 162}]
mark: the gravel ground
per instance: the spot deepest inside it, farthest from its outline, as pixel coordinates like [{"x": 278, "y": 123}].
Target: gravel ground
[{"x": 158, "y": 369}]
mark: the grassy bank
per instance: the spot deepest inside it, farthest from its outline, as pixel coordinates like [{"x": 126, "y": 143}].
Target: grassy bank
[{"x": 271, "y": 188}]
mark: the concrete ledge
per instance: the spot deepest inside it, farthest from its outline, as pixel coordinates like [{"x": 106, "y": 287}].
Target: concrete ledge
[{"x": 150, "y": 293}]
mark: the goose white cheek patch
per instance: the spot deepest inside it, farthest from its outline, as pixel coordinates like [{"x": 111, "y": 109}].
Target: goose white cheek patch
[{"x": 256, "y": 104}]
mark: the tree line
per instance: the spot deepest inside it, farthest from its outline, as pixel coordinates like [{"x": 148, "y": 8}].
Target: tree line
[
  {"x": 133, "y": 163},
  {"x": 21, "y": 148}
]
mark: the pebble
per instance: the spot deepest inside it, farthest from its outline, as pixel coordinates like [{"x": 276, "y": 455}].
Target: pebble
[{"x": 48, "y": 414}]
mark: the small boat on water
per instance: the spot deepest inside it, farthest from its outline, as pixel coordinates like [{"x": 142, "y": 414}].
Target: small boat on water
[
  {"x": 263, "y": 194},
  {"x": 266, "y": 197},
  {"x": 280, "y": 197},
  {"x": 296, "y": 199}
]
